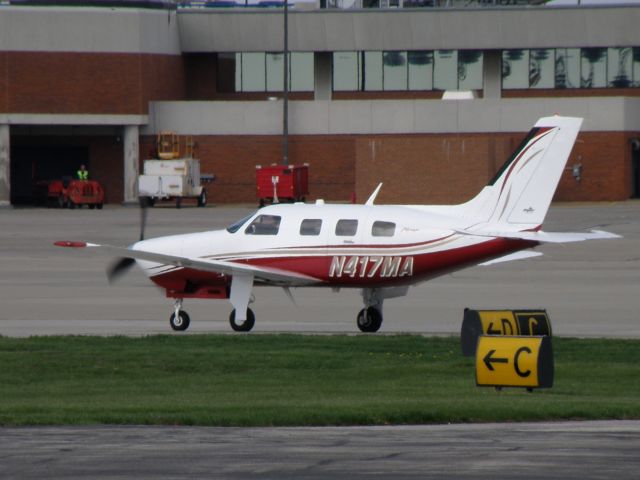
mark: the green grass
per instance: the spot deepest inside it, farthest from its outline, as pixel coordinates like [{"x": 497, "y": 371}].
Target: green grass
[{"x": 259, "y": 380}]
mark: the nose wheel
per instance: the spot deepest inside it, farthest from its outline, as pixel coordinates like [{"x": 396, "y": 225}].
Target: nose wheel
[
  {"x": 179, "y": 319},
  {"x": 179, "y": 322}
]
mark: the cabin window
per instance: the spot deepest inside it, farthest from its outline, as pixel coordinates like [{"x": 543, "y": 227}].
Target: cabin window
[
  {"x": 233, "y": 228},
  {"x": 383, "y": 229},
  {"x": 346, "y": 228},
  {"x": 264, "y": 225},
  {"x": 310, "y": 226}
]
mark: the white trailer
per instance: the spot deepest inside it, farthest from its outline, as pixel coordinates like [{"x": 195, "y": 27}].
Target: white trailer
[{"x": 173, "y": 180}]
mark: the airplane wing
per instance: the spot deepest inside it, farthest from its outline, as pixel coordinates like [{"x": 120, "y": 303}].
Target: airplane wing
[
  {"x": 217, "y": 266},
  {"x": 544, "y": 237}
]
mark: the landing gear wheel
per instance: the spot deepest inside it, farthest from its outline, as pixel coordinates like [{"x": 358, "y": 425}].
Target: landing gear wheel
[
  {"x": 369, "y": 320},
  {"x": 181, "y": 322},
  {"x": 202, "y": 199},
  {"x": 245, "y": 326}
]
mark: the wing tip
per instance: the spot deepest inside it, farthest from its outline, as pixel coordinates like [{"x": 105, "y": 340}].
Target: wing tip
[{"x": 70, "y": 244}]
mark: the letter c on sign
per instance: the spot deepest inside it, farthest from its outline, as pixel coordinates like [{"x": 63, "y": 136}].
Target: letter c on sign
[{"x": 515, "y": 362}]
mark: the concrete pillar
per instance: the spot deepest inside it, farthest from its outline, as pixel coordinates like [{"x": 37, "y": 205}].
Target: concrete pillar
[
  {"x": 131, "y": 163},
  {"x": 492, "y": 74},
  {"x": 322, "y": 70},
  {"x": 5, "y": 166}
]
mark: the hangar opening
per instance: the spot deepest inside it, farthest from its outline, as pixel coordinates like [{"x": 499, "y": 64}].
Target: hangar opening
[
  {"x": 40, "y": 155},
  {"x": 32, "y": 167}
]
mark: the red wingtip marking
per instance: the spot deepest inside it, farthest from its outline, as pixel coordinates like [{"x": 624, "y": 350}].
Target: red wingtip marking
[{"x": 66, "y": 243}]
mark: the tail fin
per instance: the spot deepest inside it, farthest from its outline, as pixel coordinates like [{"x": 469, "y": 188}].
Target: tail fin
[{"x": 521, "y": 191}]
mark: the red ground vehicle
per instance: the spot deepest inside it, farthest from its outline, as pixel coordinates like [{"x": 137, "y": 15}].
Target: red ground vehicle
[
  {"x": 75, "y": 193},
  {"x": 280, "y": 183}
]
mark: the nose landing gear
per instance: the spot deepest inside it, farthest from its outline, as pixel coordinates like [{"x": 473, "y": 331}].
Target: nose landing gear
[{"x": 179, "y": 319}]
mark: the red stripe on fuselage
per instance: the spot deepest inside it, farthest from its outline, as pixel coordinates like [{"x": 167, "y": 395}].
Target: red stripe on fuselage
[{"x": 423, "y": 267}]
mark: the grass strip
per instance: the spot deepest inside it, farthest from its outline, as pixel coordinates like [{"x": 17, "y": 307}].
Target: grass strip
[{"x": 287, "y": 380}]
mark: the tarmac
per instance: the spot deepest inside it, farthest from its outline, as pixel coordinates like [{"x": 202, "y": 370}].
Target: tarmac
[{"x": 590, "y": 289}]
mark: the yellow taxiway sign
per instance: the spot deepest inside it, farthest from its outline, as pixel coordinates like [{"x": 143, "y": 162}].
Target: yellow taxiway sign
[
  {"x": 501, "y": 322},
  {"x": 506, "y": 361}
]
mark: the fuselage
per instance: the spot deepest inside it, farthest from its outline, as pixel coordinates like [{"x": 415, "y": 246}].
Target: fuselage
[{"x": 333, "y": 245}]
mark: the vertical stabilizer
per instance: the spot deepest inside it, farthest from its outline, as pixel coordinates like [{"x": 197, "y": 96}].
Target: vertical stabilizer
[{"x": 521, "y": 192}]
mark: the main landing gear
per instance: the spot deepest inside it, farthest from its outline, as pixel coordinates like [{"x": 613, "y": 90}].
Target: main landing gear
[
  {"x": 369, "y": 320},
  {"x": 370, "y": 317},
  {"x": 180, "y": 320},
  {"x": 242, "y": 325}
]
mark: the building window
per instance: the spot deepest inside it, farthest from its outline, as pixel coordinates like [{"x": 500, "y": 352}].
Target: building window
[
  {"x": 420, "y": 70},
  {"x": 615, "y": 67},
  {"x": 619, "y": 67},
  {"x": 395, "y": 70},
  {"x": 346, "y": 71},
  {"x": 413, "y": 70},
  {"x": 541, "y": 68},
  {"x": 593, "y": 66},
  {"x": 515, "y": 68},
  {"x": 264, "y": 72},
  {"x": 567, "y": 65}
]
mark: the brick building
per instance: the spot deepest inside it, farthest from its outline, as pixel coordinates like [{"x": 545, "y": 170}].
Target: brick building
[{"x": 94, "y": 85}]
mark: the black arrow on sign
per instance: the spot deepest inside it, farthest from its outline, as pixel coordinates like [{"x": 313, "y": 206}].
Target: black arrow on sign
[
  {"x": 489, "y": 359},
  {"x": 491, "y": 331}
]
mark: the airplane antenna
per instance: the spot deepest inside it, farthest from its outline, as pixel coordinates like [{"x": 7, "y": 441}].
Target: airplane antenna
[{"x": 374, "y": 195}]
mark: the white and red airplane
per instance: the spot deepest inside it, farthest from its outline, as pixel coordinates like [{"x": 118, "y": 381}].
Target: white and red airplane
[{"x": 380, "y": 249}]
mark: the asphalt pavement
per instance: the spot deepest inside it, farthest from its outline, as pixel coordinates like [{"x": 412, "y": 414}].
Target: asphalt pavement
[{"x": 590, "y": 289}]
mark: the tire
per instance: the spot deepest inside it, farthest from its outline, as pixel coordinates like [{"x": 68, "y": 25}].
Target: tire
[
  {"x": 178, "y": 202},
  {"x": 181, "y": 323},
  {"x": 202, "y": 199},
  {"x": 369, "y": 320},
  {"x": 70, "y": 204},
  {"x": 242, "y": 327},
  {"x": 62, "y": 203},
  {"x": 99, "y": 206},
  {"x": 92, "y": 206}
]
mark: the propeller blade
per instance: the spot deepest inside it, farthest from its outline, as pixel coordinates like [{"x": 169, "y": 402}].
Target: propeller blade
[
  {"x": 119, "y": 268},
  {"x": 144, "y": 203}
]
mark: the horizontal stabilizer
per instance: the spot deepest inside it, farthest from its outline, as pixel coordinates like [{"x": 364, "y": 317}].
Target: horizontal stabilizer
[
  {"x": 544, "y": 237},
  {"x": 512, "y": 256}
]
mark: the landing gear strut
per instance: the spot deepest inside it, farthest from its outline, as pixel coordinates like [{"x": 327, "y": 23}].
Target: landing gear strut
[{"x": 179, "y": 319}]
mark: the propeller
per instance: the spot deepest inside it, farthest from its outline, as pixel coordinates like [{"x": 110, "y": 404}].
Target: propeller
[{"x": 122, "y": 265}]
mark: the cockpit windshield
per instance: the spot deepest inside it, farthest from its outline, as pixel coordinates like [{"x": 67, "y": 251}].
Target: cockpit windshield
[{"x": 233, "y": 228}]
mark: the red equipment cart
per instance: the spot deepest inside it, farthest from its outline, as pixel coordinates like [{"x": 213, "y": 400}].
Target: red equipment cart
[
  {"x": 75, "y": 193},
  {"x": 282, "y": 183}
]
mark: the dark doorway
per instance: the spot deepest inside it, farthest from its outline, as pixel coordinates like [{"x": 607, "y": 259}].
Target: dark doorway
[
  {"x": 32, "y": 166},
  {"x": 635, "y": 169}
]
